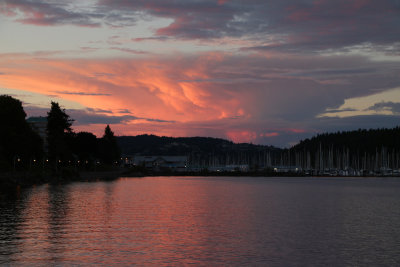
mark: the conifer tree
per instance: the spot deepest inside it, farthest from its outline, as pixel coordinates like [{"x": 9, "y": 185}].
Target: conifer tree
[
  {"x": 108, "y": 147},
  {"x": 17, "y": 139},
  {"x": 58, "y": 134}
]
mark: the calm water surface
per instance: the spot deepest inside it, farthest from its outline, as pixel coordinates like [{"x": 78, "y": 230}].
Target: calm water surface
[{"x": 204, "y": 221}]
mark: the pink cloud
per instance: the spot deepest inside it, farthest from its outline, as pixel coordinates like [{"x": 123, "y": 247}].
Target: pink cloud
[
  {"x": 269, "y": 134},
  {"x": 246, "y": 98},
  {"x": 241, "y": 136},
  {"x": 132, "y": 84}
]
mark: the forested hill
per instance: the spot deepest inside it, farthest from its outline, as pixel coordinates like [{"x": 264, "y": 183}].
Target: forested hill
[
  {"x": 155, "y": 145},
  {"x": 360, "y": 150},
  {"x": 360, "y": 140},
  {"x": 201, "y": 151}
]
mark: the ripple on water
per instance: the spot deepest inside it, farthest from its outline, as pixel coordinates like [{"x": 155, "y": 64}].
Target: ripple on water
[{"x": 204, "y": 221}]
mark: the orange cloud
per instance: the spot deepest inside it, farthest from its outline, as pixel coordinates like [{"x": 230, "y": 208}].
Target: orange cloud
[
  {"x": 242, "y": 136},
  {"x": 270, "y": 134},
  {"x": 151, "y": 88},
  {"x": 246, "y": 98}
]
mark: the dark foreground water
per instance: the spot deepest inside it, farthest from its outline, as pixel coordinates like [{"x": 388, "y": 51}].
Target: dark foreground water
[{"x": 204, "y": 221}]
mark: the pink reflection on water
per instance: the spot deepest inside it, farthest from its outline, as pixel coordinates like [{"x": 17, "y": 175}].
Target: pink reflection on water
[
  {"x": 203, "y": 221},
  {"x": 152, "y": 222}
]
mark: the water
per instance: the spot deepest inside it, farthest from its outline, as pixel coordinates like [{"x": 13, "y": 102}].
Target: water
[{"x": 204, "y": 221}]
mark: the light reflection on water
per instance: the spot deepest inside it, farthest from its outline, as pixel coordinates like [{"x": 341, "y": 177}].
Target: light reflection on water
[{"x": 204, "y": 221}]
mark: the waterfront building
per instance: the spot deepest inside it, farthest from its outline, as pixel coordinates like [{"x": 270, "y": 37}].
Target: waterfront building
[{"x": 157, "y": 163}]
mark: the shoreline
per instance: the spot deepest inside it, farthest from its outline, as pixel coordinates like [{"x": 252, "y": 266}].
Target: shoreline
[{"x": 26, "y": 179}]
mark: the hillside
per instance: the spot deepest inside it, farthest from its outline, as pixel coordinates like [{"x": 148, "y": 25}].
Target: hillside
[
  {"x": 205, "y": 151},
  {"x": 362, "y": 149},
  {"x": 361, "y": 140},
  {"x": 368, "y": 150}
]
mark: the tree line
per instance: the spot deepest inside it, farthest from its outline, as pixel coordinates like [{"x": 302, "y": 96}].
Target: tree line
[
  {"x": 372, "y": 150},
  {"x": 21, "y": 148},
  {"x": 201, "y": 151}
]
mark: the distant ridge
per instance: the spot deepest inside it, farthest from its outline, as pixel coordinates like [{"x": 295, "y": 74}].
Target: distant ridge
[
  {"x": 374, "y": 149},
  {"x": 360, "y": 152},
  {"x": 201, "y": 151},
  {"x": 156, "y": 145},
  {"x": 361, "y": 140}
]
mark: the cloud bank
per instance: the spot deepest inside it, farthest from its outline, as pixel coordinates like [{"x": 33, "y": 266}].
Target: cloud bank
[{"x": 268, "y": 72}]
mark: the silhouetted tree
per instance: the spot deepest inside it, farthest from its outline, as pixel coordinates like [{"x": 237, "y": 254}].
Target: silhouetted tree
[
  {"x": 360, "y": 149},
  {"x": 17, "y": 139},
  {"x": 59, "y": 134},
  {"x": 108, "y": 147},
  {"x": 85, "y": 148}
]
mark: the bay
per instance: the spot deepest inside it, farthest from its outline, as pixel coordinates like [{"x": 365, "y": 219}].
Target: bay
[{"x": 206, "y": 221}]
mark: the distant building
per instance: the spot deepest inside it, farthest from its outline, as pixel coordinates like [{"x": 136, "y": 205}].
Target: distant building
[
  {"x": 286, "y": 169},
  {"x": 229, "y": 168},
  {"x": 39, "y": 125},
  {"x": 127, "y": 160},
  {"x": 157, "y": 163}
]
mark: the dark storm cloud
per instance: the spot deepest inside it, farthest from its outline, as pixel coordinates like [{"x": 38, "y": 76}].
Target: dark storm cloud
[
  {"x": 286, "y": 25},
  {"x": 332, "y": 124},
  {"x": 46, "y": 13},
  {"x": 281, "y": 25},
  {"x": 83, "y": 117},
  {"x": 334, "y": 72},
  {"x": 390, "y": 106},
  {"x": 89, "y": 116},
  {"x": 98, "y": 110},
  {"x": 80, "y": 93},
  {"x": 52, "y": 13},
  {"x": 341, "y": 110},
  {"x": 297, "y": 88},
  {"x": 92, "y": 116}
]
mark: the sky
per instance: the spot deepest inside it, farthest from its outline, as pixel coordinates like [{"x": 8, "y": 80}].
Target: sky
[{"x": 257, "y": 71}]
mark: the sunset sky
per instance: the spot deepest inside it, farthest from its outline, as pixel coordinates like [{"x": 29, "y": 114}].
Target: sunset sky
[{"x": 266, "y": 72}]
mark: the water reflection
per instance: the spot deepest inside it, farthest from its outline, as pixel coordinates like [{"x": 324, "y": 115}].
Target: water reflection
[
  {"x": 203, "y": 221},
  {"x": 57, "y": 216},
  {"x": 11, "y": 206}
]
